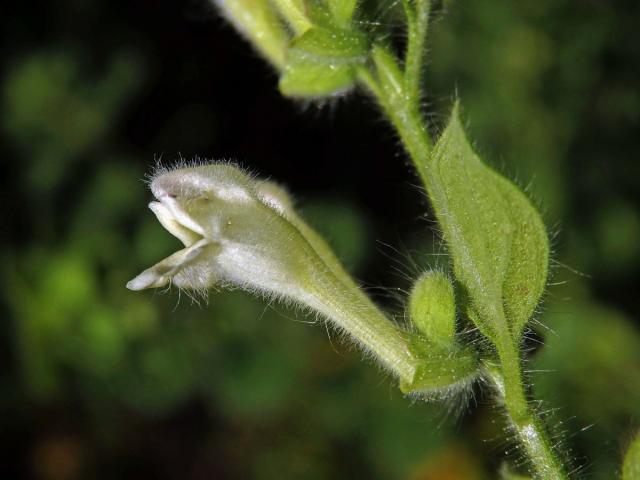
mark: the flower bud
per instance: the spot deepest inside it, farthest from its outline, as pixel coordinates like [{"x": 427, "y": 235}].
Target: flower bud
[{"x": 432, "y": 308}]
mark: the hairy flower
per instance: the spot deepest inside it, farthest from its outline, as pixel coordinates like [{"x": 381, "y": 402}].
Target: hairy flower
[
  {"x": 242, "y": 231},
  {"x": 234, "y": 229}
]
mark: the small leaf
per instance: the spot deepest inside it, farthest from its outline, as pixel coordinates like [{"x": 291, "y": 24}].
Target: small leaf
[
  {"x": 331, "y": 45},
  {"x": 441, "y": 370},
  {"x": 319, "y": 62},
  {"x": 631, "y": 466},
  {"x": 303, "y": 78},
  {"x": 432, "y": 308},
  {"x": 342, "y": 10},
  {"x": 496, "y": 237}
]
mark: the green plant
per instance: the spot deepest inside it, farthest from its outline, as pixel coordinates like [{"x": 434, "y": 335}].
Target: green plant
[{"x": 240, "y": 231}]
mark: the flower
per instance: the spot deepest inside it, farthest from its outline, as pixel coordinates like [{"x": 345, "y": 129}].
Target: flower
[
  {"x": 234, "y": 230},
  {"x": 243, "y": 232}
]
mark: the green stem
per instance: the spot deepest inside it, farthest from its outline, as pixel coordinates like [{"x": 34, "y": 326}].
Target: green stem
[
  {"x": 293, "y": 12},
  {"x": 403, "y": 110},
  {"x": 389, "y": 87},
  {"x": 417, "y": 26},
  {"x": 544, "y": 463}
]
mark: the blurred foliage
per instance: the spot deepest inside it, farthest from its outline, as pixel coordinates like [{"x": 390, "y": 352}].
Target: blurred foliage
[{"x": 98, "y": 382}]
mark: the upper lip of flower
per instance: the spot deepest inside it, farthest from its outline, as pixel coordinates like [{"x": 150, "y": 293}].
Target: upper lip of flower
[{"x": 174, "y": 218}]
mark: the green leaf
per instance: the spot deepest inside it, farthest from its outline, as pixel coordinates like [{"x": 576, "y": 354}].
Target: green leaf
[
  {"x": 631, "y": 466},
  {"x": 319, "y": 62},
  {"x": 342, "y": 10},
  {"x": 528, "y": 266},
  {"x": 331, "y": 45},
  {"x": 495, "y": 235},
  {"x": 303, "y": 78}
]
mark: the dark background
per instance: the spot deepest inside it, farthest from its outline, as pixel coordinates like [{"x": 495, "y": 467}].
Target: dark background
[{"x": 100, "y": 382}]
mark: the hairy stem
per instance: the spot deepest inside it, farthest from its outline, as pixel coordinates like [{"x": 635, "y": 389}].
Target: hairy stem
[
  {"x": 544, "y": 463},
  {"x": 389, "y": 86},
  {"x": 403, "y": 110},
  {"x": 417, "y": 25},
  {"x": 293, "y": 12}
]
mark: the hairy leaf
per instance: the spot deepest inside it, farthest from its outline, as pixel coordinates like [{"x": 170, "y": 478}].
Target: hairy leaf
[
  {"x": 528, "y": 265},
  {"x": 331, "y": 45},
  {"x": 302, "y": 78},
  {"x": 319, "y": 62},
  {"x": 495, "y": 235}
]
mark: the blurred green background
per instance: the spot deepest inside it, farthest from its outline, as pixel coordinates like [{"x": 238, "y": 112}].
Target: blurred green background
[{"x": 100, "y": 382}]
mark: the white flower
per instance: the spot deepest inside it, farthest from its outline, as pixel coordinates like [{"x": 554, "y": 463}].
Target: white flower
[
  {"x": 241, "y": 231},
  {"x": 234, "y": 231}
]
